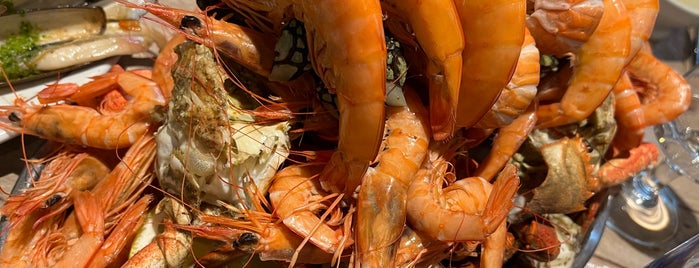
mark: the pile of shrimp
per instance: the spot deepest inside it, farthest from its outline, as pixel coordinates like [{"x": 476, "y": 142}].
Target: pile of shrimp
[{"x": 415, "y": 140}]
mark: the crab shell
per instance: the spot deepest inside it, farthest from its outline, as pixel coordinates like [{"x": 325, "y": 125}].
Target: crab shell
[{"x": 569, "y": 181}]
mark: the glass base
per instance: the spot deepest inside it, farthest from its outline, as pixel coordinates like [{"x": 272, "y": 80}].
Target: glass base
[{"x": 649, "y": 226}]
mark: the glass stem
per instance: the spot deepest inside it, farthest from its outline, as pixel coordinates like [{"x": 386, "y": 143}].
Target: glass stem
[{"x": 641, "y": 190}]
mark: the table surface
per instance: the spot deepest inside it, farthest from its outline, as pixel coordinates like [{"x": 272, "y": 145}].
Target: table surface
[{"x": 612, "y": 251}]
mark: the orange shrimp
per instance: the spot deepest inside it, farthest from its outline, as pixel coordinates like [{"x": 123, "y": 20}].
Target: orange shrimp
[
  {"x": 91, "y": 220},
  {"x": 469, "y": 209},
  {"x": 562, "y": 26},
  {"x": 118, "y": 193},
  {"x": 65, "y": 174},
  {"x": 630, "y": 120},
  {"x": 97, "y": 247},
  {"x": 381, "y": 203},
  {"x": 484, "y": 74},
  {"x": 248, "y": 47},
  {"x": 442, "y": 40},
  {"x": 88, "y": 94},
  {"x": 271, "y": 241},
  {"x": 122, "y": 235},
  {"x": 87, "y": 126},
  {"x": 162, "y": 67},
  {"x": 416, "y": 248},
  {"x": 24, "y": 237},
  {"x": 355, "y": 68},
  {"x": 506, "y": 144},
  {"x": 665, "y": 93},
  {"x": 606, "y": 49},
  {"x": 519, "y": 92},
  {"x": 292, "y": 196},
  {"x": 642, "y": 14}
]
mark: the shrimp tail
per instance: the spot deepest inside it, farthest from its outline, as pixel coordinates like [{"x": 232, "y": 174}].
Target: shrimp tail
[
  {"x": 500, "y": 201},
  {"x": 123, "y": 233},
  {"x": 91, "y": 219}
]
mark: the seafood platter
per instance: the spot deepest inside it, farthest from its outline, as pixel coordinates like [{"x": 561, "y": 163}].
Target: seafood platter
[{"x": 252, "y": 133}]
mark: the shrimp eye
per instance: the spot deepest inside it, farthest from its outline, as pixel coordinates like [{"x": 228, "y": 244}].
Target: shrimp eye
[
  {"x": 190, "y": 22},
  {"x": 246, "y": 239},
  {"x": 14, "y": 117},
  {"x": 52, "y": 200}
]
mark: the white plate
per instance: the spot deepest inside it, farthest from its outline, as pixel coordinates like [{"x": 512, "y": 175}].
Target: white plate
[{"x": 28, "y": 90}]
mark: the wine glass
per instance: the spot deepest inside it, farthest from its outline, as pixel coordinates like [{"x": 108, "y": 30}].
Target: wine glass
[{"x": 644, "y": 212}]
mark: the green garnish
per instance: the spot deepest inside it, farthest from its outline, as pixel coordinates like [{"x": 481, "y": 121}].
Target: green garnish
[{"x": 18, "y": 50}]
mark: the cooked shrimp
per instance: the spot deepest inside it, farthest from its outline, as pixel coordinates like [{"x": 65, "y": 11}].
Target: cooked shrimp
[
  {"x": 493, "y": 247},
  {"x": 381, "y": 203},
  {"x": 118, "y": 193},
  {"x": 416, "y": 248},
  {"x": 642, "y": 14},
  {"x": 490, "y": 53},
  {"x": 87, "y": 126},
  {"x": 469, "y": 209},
  {"x": 355, "y": 68},
  {"x": 562, "y": 26},
  {"x": 248, "y": 47},
  {"x": 23, "y": 238},
  {"x": 442, "y": 40},
  {"x": 606, "y": 49},
  {"x": 91, "y": 218},
  {"x": 506, "y": 144},
  {"x": 630, "y": 120},
  {"x": 65, "y": 174},
  {"x": 271, "y": 241},
  {"x": 665, "y": 93},
  {"x": 519, "y": 92},
  {"x": 162, "y": 67},
  {"x": 122, "y": 234},
  {"x": 295, "y": 194}
]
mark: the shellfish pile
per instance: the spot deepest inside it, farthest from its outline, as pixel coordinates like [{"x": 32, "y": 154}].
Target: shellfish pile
[{"x": 351, "y": 133}]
